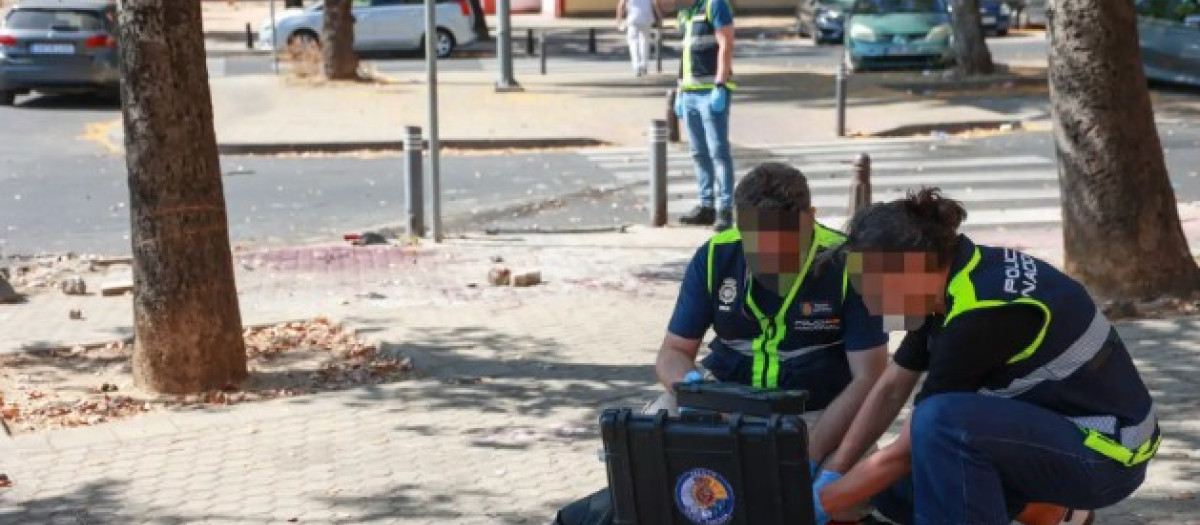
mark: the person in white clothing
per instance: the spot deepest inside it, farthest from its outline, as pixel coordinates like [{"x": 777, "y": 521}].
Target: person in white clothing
[{"x": 636, "y": 18}]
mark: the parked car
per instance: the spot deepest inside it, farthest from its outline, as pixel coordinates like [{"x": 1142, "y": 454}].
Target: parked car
[
  {"x": 380, "y": 25},
  {"x": 1169, "y": 31},
  {"x": 996, "y": 16},
  {"x": 1029, "y": 13},
  {"x": 822, "y": 20},
  {"x": 54, "y": 46},
  {"x": 899, "y": 33}
]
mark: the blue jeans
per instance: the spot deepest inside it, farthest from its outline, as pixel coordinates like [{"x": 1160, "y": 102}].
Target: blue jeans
[
  {"x": 977, "y": 460},
  {"x": 708, "y": 138}
]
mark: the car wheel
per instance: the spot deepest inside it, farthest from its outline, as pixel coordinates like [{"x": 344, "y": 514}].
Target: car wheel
[
  {"x": 445, "y": 43},
  {"x": 1002, "y": 32},
  {"x": 8, "y": 98},
  {"x": 816, "y": 37},
  {"x": 304, "y": 39}
]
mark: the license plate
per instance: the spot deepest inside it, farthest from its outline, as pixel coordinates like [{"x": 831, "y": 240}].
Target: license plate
[
  {"x": 52, "y": 49},
  {"x": 900, "y": 50},
  {"x": 989, "y": 20}
]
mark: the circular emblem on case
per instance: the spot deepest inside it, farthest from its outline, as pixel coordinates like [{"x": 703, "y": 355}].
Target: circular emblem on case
[{"x": 704, "y": 497}]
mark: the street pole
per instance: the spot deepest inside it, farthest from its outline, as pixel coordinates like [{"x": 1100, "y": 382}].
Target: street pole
[
  {"x": 414, "y": 182},
  {"x": 506, "y": 82},
  {"x": 431, "y": 37},
  {"x": 274, "y": 39},
  {"x": 658, "y": 173},
  {"x": 840, "y": 95}
]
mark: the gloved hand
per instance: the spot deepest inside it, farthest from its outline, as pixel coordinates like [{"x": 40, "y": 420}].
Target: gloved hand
[
  {"x": 813, "y": 468},
  {"x": 825, "y": 478},
  {"x": 718, "y": 99},
  {"x": 693, "y": 377},
  {"x": 679, "y": 105}
]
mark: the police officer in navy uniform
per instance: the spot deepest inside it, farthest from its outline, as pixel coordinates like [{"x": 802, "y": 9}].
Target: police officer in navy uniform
[
  {"x": 1031, "y": 406},
  {"x": 782, "y": 318}
]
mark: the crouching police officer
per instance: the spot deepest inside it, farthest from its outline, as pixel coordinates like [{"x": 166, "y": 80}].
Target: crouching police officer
[
  {"x": 781, "y": 319},
  {"x": 1030, "y": 397}
]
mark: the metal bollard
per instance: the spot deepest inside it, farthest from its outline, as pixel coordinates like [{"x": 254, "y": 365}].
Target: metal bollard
[
  {"x": 249, "y": 36},
  {"x": 529, "y": 42},
  {"x": 840, "y": 95},
  {"x": 860, "y": 184},
  {"x": 658, "y": 173},
  {"x": 592, "y": 40},
  {"x": 542, "y": 49},
  {"x": 672, "y": 120},
  {"x": 414, "y": 181},
  {"x": 658, "y": 43}
]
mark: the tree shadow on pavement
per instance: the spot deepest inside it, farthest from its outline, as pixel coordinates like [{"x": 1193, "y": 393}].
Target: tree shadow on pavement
[
  {"x": 407, "y": 501},
  {"x": 99, "y": 501}
]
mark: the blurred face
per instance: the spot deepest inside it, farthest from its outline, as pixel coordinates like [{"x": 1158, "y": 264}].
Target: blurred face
[
  {"x": 903, "y": 287},
  {"x": 776, "y": 243}
]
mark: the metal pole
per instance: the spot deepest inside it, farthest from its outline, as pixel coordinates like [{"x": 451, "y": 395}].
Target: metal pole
[
  {"x": 414, "y": 183},
  {"x": 658, "y": 43},
  {"x": 431, "y": 35},
  {"x": 529, "y": 41},
  {"x": 860, "y": 184},
  {"x": 542, "y": 49},
  {"x": 840, "y": 94},
  {"x": 274, "y": 41},
  {"x": 504, "y": 47},
  {"x": 658, "y": 173},
  {"x": 249, "y": 36},
  {"x": 592, "y": 40}
]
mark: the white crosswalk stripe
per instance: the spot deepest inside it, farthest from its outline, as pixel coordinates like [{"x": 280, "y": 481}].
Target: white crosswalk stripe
[{"x": 998, "y": 191}]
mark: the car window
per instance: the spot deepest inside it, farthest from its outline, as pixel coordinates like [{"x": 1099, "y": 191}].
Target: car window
[
  {"x": 1173, "y": 10},
  {"x": 880, "y": 7},
  {"x": 55, "y": 19},
  {"x": 847, "y": 4}
]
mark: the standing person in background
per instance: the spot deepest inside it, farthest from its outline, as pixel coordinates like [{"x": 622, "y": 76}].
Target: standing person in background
[
  {"x": 636, "y": 18},
  {"x": 703, "y": 103}
]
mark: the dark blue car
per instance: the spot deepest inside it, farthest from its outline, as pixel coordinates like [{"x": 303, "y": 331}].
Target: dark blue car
[
  {"x": 996, "y": 16},
  {"x": 822, "y": 20}
]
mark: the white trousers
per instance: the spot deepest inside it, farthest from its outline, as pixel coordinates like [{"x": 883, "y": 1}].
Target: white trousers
[{"x": 638, "y": 36}]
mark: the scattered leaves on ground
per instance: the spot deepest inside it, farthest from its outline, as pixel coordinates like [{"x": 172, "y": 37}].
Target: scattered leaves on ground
[{"x": 84, "y": 387}]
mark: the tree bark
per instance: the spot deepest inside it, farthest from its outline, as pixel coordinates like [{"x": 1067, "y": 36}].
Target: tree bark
[
  {"x": 970, "y": 46},
  {"x": 1121, "y": 226},
  {"x": 480, "y": 22},
  {"x": 337, "y": 37},
  {"x": 186, "y": 318}
]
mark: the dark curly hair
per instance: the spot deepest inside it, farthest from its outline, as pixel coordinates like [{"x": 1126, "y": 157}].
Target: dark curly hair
[
  {"x": 772, "y": 185},
  {"x": 923, "y": 221}
]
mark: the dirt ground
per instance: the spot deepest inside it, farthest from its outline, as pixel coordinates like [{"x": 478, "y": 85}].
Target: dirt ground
[{"x": 84, "y": 387}]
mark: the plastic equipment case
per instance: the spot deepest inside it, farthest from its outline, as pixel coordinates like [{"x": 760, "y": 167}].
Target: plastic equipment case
[{"x": 748, "y": 467}]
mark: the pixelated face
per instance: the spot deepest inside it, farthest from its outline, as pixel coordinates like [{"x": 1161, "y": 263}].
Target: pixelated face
[
  {"x": 903, "y": 287},
  {"x": 776, "y": 243}
]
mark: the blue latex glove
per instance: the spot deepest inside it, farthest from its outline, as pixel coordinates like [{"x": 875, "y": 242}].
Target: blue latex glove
[
  {"x": 813, "y": 468},
  {"x": 825, "y": 478},
  {"x": 693, "y": 377},
  {"x": 679, "y": 105},
  {"x": 718, "y": 99}
]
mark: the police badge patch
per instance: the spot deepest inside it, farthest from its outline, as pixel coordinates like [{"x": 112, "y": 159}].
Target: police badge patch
[{"x": 728, "y": 293}]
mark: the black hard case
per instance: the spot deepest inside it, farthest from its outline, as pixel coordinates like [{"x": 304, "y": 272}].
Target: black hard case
[{"x": 764, "y": 459}]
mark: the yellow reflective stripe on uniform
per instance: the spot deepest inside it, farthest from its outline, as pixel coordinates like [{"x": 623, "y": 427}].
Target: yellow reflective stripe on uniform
[
  {"x": 962, "y": 290},
  {"x": 1106, "y": 447},
  {"x": 731, "y": 235}
]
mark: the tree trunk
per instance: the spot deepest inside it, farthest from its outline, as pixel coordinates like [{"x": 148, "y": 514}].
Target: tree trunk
[
  {"x": 186, "y": 319},
  {"x": 337, "y": 37},
  {"x": 970, "y": 46},
  {"x": 480, "y": 23},
  {"x": 1121, "y": 226}
]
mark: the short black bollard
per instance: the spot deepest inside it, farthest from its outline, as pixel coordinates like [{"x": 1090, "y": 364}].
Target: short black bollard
[
  {"x": 658, "y": 173},
  {"x": 249, "y": 36},
  {"x": 542, "y": 49},
  {"x": 840, "y": 95},
  {"x": 529, "y": 42},
  {"x": 592, "y": 40},
  {"x": 672, "y": 120},
  {"x": 860, "y": 184},
  {"x": 658, "y": 51},
  {"x": 414, "y": 185}
]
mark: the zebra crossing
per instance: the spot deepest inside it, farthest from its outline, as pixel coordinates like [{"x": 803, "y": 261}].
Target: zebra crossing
[{"x": 999, "y": 191}]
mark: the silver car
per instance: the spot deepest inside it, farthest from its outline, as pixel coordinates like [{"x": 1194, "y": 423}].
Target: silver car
[
  {"x": 380, "y": 25},
  {"x": 58, "y": 46},
  {"x": 1170, "y": 37}
]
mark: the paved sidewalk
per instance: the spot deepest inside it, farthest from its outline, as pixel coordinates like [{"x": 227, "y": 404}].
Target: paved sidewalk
[{"x": 500, "y": 429}]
